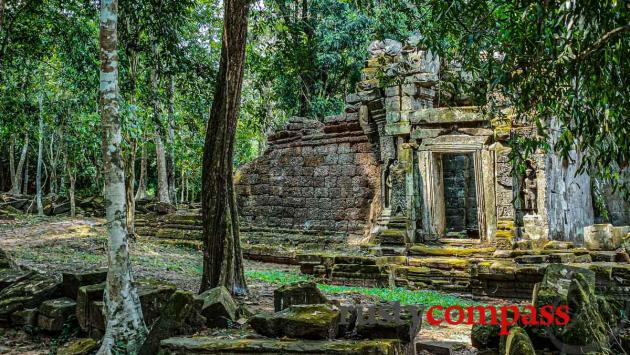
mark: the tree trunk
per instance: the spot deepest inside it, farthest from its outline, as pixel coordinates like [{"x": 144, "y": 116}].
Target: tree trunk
[
  {"x": 25, "y": 180},
  {"x": 170, "y": 160},
  {"x": 223, "y": 260},
  {"x": 142, "y": 182},
  {"x": 40, "y": 153},
  {"x": 182, "y": 187},
  {"x": 12, "y": 157},
  {"x": 130, "y": 157},
  {"x": 124, "y": 323},
  {"x": 17, "y": 178},
  {"x": 73, "y": 205},
  {"x": 130, "y": 202},
  {"x": 160, "y": 156}
]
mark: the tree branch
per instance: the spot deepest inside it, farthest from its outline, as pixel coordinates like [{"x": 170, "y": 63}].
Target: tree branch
[{"x": 602, "y": 41}]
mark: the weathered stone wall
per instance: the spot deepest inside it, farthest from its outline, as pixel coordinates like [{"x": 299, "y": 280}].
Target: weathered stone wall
[{"x": 314, "y": 176}]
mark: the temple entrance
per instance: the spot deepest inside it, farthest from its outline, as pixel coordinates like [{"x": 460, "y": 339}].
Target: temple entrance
[{"x": 460, "y": 198}]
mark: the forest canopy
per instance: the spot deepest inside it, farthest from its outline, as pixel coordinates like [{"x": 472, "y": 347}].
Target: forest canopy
[{"x": 559, "y": 64}]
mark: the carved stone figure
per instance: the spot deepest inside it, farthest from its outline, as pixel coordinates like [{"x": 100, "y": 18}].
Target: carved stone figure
[{"x": 529, "y": 190}]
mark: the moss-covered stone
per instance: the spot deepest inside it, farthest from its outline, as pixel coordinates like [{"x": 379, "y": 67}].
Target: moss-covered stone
[
  {"x": 218, "y": 306},
  {"x": 83, "y": 346},
  {"x": 29, "y": 293},
  {"x": 485, "y": 336},
  {"x": 421, "y": 249},
  {"x": 303, "y": 292},
  {"x": 53, "y": 314},
  {"x": 10, "y": 276},
  {"x": 300, "y": 321},
  {"x": 588, "y": 330},
  {"x": 180, "y": 316},
  {"x": 207, "y": 345},
  {"x": 73, "y": 280},
  {"x": 555, "y": 285},
  {"x": 517, "y": 343},
  {"x": 440, "y": 263},
  {"x": 86, "y": 295},
  {"x": 384, "y": 321}
]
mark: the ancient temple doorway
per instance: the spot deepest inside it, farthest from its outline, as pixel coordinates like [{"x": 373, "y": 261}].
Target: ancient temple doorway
[{"x": 460, "y": 197}]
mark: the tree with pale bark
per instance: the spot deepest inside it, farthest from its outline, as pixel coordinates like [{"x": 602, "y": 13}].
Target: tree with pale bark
[{"x": 124, "y": 322}]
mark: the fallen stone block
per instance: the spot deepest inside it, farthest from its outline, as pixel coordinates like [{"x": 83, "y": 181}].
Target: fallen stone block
[
  {"x": 25, "y": 317},
  {"x": 517, "y": 343},
  {"x": 53, "y": 314},
  {"x": 86, "y": 295},
  {"x": 180, "y": 316},
  {"x": 72, "y": 281},
  {"x": 302, "y": 292},
  {"x": 208, "y": 345},
  {"x": 9, "y": 277},
  {"x": 29, "y": 293},
  {"x": 301, "y": 321},
  {"x": 555, "y": 285},
  {"x": 218, "y": 307},
  {"x": 387, "y": 321},
  {"x": 153, "y": 294},
  {"x": 83, "y": 346}
]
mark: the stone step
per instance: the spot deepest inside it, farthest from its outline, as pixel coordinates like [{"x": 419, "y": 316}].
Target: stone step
[{"x": 449, "y": 250}]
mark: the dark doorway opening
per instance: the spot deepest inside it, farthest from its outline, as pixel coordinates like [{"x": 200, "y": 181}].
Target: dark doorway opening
[{"x": 460, "y": 197}]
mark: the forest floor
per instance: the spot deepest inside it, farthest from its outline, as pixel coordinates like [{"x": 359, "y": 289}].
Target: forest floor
[{"x": 57, "y": 244}]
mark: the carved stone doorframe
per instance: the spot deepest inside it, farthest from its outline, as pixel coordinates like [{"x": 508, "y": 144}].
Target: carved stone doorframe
[{"x": 430, "y": 164}]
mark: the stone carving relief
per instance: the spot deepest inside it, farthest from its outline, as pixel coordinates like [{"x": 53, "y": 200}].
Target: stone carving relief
[
  {"x": 530, "y": 190},
  {"x": 398, "y": 200},
  {"x": 504, "y": 194}
]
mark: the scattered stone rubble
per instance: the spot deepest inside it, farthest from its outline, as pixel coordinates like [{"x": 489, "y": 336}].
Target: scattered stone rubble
[
  {"x": 596, "y": 322},
  {"x": 312, "y": 328}
]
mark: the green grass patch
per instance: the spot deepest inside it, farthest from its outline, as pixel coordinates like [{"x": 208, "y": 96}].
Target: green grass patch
[{"x": 404, "y": 296}]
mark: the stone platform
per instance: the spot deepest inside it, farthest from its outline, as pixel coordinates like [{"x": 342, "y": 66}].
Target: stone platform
[{"x": 478, "y": 270}]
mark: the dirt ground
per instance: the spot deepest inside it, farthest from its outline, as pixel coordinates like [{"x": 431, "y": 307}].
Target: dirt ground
[{"x": 62, "y": 244}]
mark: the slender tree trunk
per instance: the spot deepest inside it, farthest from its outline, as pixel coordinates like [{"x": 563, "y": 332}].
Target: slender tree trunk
[
  {"x": 40, "y": 158},
  {"x": 12, "y": 157},
  {"x": 17, "y": 178},
  {"x": 25, "y": 180},
  {"x": 73, "y": 205},
  {"x": 223, "y": 260},
  {"x": 160, "y": 156},
  {"x": 130, "y": 161},
  {"x": 182, "y": 186},
  {"x": 170, "y": 160},
  {"x": 142, "y": 182},
  {"x": 124, "y": 322},
  {"x": 130, "y": 202}
]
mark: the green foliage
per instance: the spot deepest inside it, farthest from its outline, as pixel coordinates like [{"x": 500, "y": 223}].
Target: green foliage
[
  {"x": 560, "y": 65},
  {"x": 305, "y": 56}
]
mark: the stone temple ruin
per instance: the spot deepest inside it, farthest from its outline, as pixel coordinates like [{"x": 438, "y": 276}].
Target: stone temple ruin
[
  {"x": 412, "y": 186},
  {"x": 411, "y": 163}
]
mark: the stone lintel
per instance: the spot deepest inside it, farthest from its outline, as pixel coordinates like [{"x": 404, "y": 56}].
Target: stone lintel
[
  {"x": 454, "y": 142},
  {"x": 446, "y": 115}
]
